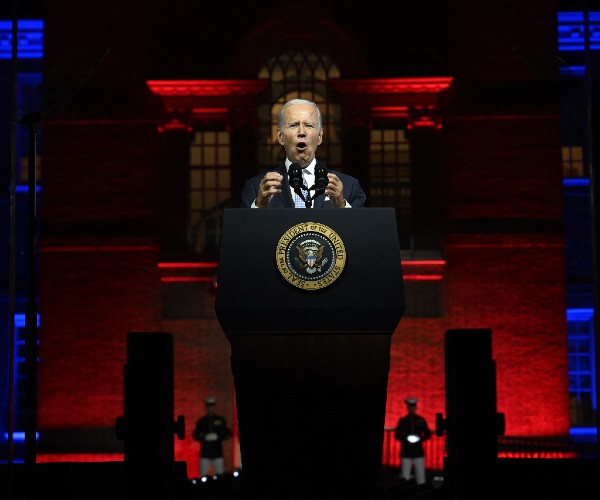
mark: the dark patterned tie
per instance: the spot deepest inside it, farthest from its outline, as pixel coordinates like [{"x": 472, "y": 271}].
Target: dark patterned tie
[{"x": 299, "y": 202}]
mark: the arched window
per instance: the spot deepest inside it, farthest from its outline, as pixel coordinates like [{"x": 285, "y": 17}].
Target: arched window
[{"x": 298, "y": 73}]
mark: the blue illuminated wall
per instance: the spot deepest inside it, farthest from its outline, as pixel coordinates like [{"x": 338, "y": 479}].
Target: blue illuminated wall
[
  {"x": 578, "y": 30},
  {"x": 28, "y": 80},
  {"x": 30, "y": 39},
  {"x": 579, "y": 48}
]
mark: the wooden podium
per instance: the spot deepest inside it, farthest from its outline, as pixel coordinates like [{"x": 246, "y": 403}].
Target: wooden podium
[{"x": 308, "y": 300}]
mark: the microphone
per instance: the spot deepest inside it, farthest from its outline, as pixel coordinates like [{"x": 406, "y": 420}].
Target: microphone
[
  {"x": 297, "y": 183},
  {"x": 295, "y": 175},
  {"x": 321, "y": 179}
]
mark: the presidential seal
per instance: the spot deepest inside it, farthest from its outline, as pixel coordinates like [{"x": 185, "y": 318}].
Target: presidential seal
[{"x": 310, "y": 256}]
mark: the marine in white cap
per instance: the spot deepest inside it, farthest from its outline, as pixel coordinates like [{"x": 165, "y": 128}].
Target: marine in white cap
[
  {"x": 211, "y": 430},
  {"x": 411, "y": 431}
]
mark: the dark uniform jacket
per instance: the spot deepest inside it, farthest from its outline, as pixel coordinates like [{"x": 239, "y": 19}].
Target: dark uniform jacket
[
  {"x": 205, "y": 425},
  {"x": 412, "y": 424}
]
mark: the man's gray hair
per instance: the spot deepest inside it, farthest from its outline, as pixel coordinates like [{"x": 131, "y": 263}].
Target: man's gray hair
[{"x": 291, "y": 102}]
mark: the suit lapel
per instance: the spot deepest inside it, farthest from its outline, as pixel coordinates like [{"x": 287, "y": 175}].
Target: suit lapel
[{"x": 319, "y": 201}]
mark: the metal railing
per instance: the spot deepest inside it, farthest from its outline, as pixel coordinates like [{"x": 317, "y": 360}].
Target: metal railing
[{"x": 508, "y": 447}]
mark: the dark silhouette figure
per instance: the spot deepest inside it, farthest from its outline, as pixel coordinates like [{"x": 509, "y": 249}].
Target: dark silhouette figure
[
  {"x": 211, "y": 430},
  {"x": 412, "y": 430}
]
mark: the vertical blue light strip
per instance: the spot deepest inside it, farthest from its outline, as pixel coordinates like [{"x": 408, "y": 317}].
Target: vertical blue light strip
[{"x": 30, "y": 42}]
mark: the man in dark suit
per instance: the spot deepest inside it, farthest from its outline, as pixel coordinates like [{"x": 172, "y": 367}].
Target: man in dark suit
[{"x": 300, "y": 132}]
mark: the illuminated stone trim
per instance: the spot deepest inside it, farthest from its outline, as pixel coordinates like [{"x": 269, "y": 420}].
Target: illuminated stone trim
[{"x": 202, "y": 88}]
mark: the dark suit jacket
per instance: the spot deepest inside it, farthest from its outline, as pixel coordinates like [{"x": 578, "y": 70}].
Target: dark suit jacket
[{"x": 353, "y": 192}]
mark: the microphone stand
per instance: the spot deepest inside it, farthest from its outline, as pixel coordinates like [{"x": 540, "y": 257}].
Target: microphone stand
[{"x": 309, "y": 200}]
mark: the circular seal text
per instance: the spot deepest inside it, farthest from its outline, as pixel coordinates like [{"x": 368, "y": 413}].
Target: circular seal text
[{"x": 310, "y": 256}]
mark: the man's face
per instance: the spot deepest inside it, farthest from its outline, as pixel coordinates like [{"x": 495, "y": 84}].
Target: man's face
[{"x": 301, "y": 134}]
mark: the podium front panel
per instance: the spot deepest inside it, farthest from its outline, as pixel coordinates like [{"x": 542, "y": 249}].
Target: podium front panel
[{"x": 254, "y": 297}]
